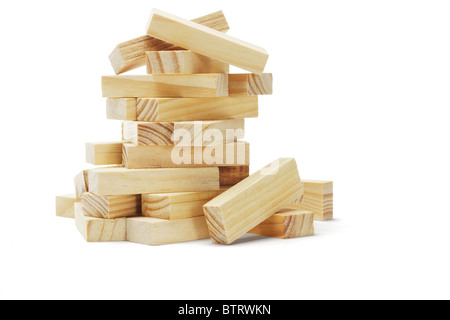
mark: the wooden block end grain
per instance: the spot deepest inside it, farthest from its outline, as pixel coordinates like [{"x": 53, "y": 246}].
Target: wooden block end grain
[
  {"x": 318, "y": 198},
  {"x": 111, "y": 207},
  {"x": 65, "y": 205}
]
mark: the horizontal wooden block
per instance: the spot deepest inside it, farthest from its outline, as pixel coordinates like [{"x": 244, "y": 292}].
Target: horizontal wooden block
[
  {"x": 229, "y": 176},
  {"x": 250, "y": 84},
  {"x": 104, "y": 153},
  {"x": 207, "y": 42},
  {"x": 252, "y": 201},
  {"x": 166, "y": 86},
  {"x": 290, "y": 222},
  {"x": 318, "y": 198},
  {"x": 152, "y": 231},
  {"x": 182, "y": 61},
  {"x": 130, "y": 55},
  {"x": 122, "y": 181},
  {"x": 111, "y": 207},
  {"x": 175, "y": 206},
  {"x": 100, "y": 230},
  {"x": 225, "y": 155},
  {"x": 180, "y": 133},
  {"x": 65, "y": 205},
  {"x": 121, "y": 109}
]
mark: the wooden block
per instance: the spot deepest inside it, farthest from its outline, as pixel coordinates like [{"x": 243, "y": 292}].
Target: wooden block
[
  {"x": 152, "y": 231},
  {"x": 81, "y": 184},
  {"x": 182, "y": 62},
  {"x": 121, "y": 109},
  {"x": 64, "y": 205},
  {"x": 175, "y": 206},
  {"x": 250, "y": 84},
  {"x": 166, "y": 86},
  {"x": 111, "y": 207},
  {"x": 230, "y": 154},
  {"x": 165, "y": 133},
  {"x": 207, "y": 42},
  {"x": 131, "y": 54},
  {"x": 104, "y": 153},
  {"x": 100, "y": 230},
  {"x": 318, "y": 198},
  {"x": 290, "y": 222},
  {"x": 252, "y": 201},
  {"x": 122, "y": 181},
  {"x": 229, "y": 176}
]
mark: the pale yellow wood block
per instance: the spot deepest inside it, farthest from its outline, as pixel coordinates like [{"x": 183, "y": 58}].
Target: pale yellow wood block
[
  {"x": 104, "y": 153},
  {"x": 318, "y": 198},
  {"x": 250, "y": 84},
  {"x": 111, "y": 207},
  {"x": 81, "y": 183},
  {"x": 121, "y": 109},
  {"x": 65, "y": 205}
]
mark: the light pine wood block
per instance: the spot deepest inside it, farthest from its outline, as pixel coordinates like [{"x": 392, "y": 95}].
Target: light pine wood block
[
  {"x": 166, "y": 86},
  {"x": 104, "y": 153},
  {"x": 175, "y": 206},
  {"x": 111, "y": 207},
  {"x": 290, "y": 222},
  {"x": 229, "y": 176},
  {"x": 121, "y": 109},
  {"x": 207, "y": 42},
  {"x": 252, "y": 201},
  {"x": 233, "y": 154},
  {"x": 65, "y": 205},
  {"x": 130, "y": 55},
  {"x": 122, "y": 181},
  {"x": 100, "y": 230},
  {"x": 81, "y": 183},
  {"x": 162, "y": 133},
  {"x": 250, "y": 84},
  {"x": 154, "y": 232},
  {"x": 318, "y": 198}
]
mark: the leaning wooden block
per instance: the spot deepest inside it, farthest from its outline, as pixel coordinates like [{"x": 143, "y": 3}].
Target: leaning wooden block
[
  {"x": 131, "y": 54},
  {"x": 229, "y": 176},
  {"x": 121, "y": 109},
  {"x": 111, "y": 207},
  {"x": 166, "y": 86},
  {"x": 81, "y": 183},
  {"x": 290, "y": 222},
  {"x": 207, "y": 42},
  {"x": 152, "y": 231},
  {"x": 104, "y": 153},
  {"x": 185, "y": 133},
  {"x": 65, "y": 205},
  {"x": 318, "y": 198},
  {"x": 250, "y": 84},
  {"x": 122, "y": 181},
  {"x": 252, "y": 201},
  {"x": 100, "y": 230}
]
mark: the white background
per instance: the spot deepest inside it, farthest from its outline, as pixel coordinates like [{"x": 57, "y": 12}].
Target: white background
[{"x": 362, "y": 93}]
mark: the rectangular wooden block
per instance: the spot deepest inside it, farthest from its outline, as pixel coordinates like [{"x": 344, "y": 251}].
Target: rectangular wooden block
[
  {"x": 65, "y": 205},
  {"x": 152, "y": 231},
  {"x": 104, "y": 153},
  {"x": 130, "y": 55},
  {"x": 222, "y": 155},
  {"x": 166, "y": 86},
  {"x": 175, "y": 206},
  {"x": 121, "y": 109},
  {"x": 318, "y": 198},
  {"x": 81, "y": 183},
  {"x": 250, "y": 84},
  {"x": 229, "y": 176},
  {"x": 252, "y": 201},
  {"x": 111, "y": 207},
  {"x": 207, "y": 42},
  {"x": 176, "y": 133},
  {"x": 100, "y": 230},
  {"x": 122, "y": 181},
  {"x": 290, "y": 222}
]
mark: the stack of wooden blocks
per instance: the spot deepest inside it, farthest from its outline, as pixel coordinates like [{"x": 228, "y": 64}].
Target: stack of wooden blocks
[{"x": 181, "y": 172}]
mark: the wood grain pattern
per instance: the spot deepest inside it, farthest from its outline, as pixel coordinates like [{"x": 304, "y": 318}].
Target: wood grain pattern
[
  {"x": 121, "y": 109},
  {"x": 318, "y": 198},
  {"x": 207, "y": 42},
  {"x": 130, "y": 55},
  {"x": 250, "y": 84},
  {"x": 65, "y": 205},
  {"x": 229, "y": 176},
  {"x": 104, "y": 153},
  {"x": 111, "y": 207},
  {"x": 252, "y": 201}
]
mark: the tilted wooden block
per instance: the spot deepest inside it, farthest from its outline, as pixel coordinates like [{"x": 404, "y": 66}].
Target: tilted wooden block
[
  {"x": 166, "y": 86},
  {"x": 121, "y": 109},
  {"x": 221, "y": 155},
  {"x": 318, "y": 198},
  {"x": 130, "y": 55},
  {"x": 152, "y": 231},
  {"x": 104, "y": 153},
  {"x": 250, "y": 84},
  {"x": 169, "y": 133},
  {"x": 290, "y": 222},
  {"x": 229, "y": 176},
  {"x": 175, "y": 206},
  {"x": 81, "y": 183},
  {"x": 100, "y": 230},
  {"x": 252, "y": 201},
  {"x": 65, "y": 205},
  {"x": 122, "y": 181},
  {"x": 111, "y": 207},
  {"x": 207, "y": 42}
]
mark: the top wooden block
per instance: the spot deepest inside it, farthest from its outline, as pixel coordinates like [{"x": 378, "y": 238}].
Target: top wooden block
[{"x": 207, "y": 42}]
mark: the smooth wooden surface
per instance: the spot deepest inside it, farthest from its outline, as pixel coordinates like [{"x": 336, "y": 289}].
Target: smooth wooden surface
[
  {"x": 121, "y": 109},
  {"x": 229, "y": 176},
  {"x": 104, "y": 153},
  {"x": 81, "y": 183},
  {"x": 207, "y": 42},
  {"x": 318, "y": 198},
  {"x": 130, "y": 55},
  {"x": 111, "y": 207},
  {"x": 247, "y": 84},
  {"x": 166, "y": 86},
  {"x": 65, "y": 205},
  {"x": 252, "y": 201}
]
